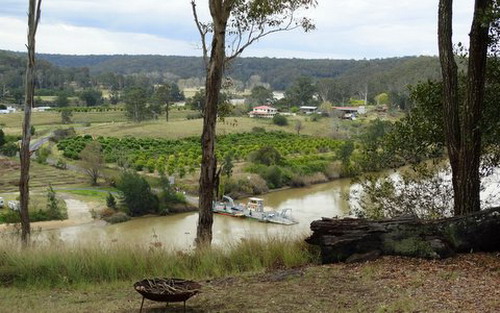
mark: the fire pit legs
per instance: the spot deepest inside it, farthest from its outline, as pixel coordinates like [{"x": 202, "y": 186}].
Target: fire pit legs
[{"x": 142, "y": 303}]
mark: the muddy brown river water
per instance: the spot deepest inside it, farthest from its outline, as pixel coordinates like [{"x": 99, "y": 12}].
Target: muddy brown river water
[{"x": 179, "y": 231}]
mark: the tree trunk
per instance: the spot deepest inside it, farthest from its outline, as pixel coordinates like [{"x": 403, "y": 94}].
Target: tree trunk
[
  {"x": 353, "y": 240},
  {"x": 461, "y": 127},
  {"x": 471, "y": 132},
  {"x": 215, "y": 71},
  {"x": 167, "y": 109},
  {"x": 33, "y": 18}
]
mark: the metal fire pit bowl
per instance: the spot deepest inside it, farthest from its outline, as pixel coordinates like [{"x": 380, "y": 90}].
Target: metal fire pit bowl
[{"x": 167, "y": 290}]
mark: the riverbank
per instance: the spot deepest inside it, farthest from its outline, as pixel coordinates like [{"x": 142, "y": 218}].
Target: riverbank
[{"x": 465, "y": 283}]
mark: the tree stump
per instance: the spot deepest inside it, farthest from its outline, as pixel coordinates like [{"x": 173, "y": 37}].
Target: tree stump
[{"x": 352, "y": 240}]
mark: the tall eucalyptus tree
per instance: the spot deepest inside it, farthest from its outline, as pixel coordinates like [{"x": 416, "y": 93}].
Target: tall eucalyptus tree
[{"x": 234, "y": 26}]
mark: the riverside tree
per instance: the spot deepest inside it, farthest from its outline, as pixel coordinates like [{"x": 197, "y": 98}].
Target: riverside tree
[
  {"x": 235, "y": 25},
  {"x": 34, "y": 14},
  {"x": 462, "y": 113}
]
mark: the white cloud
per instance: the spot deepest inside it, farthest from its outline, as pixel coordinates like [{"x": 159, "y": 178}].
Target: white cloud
[
  {"x": 345, "y": 28},
  {"x": 69, "y": 39}
]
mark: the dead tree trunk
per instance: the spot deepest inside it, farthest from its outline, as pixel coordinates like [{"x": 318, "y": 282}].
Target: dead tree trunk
[
  {"x": 33, "y": 19},
  {"x": 353, "y": 240}
]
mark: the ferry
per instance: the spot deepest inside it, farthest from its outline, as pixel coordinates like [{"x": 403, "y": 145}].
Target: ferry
[{"x": 254, "y": 210}]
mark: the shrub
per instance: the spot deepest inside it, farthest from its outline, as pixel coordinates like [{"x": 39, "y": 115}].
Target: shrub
[
  {"x": 280, "y": 120},
  {"x": 194, "y": 116},
  {"x": 315, "y": 117},
  {"x": 258, "y": 130},
  {"x": 168, "y": 197},
  {"x": 136, "y": 194},
  {"x": 42, "y": 154},
  {"x": 9, "y": 149},
  {"x": 61, "y": 164},
  {"x": 266, "y": 155},
  {"x": 66, "y": 116},
  {"x": 276, "y": 176},
  {"x": 247, "y": 185},
  {"x": 55, "y": 209},
  {"x": 110, "y": 201},
  {"x": 301, "y": 180},
  {"x": 118, "y": 217},
  {"x": 60, "y": 134},
  {"x": 2, "y": 137}
]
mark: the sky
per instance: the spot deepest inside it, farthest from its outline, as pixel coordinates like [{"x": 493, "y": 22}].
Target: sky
[{"x": 345, "y": 29}]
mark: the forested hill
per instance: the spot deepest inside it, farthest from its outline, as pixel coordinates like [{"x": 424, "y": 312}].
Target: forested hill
[
  {"x": 279, "y": 73},
  {"x": 347, "y": 78}
]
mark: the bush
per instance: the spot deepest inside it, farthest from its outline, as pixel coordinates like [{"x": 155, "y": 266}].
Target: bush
[
  {"x": 266, "y": 155},
  {"x": 247, "y": 185},
  {"x": 258, "y": 130},
  {"x": 42, "y": 154},
  {"x": 62, "y": 133},
  {"x": 136, "y": 194},
  {"x": 280, "y": 120},
  {"x": 55, "y": 209},
  {"x": 315, "y": 117},
  {"x": 110, "y": 201},
  {"x": 116, "y": 218},
  {"x": 275, "y": 176},
  {"x": 61, "y": 164},
  {"x": 9, "y": 149},
  {"x": 2, "y": 137},
  {"x": 194, "y": 116},
  {"x": 168, "y": 197},
  {"x": 301, "y": 180}
]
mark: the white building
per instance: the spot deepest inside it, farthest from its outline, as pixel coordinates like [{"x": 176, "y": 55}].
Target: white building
[
  {"x": 308, "y": 109},
  {"x": 8, "y": 110},
  {"x": 41, "y": 109},
  {"x": 263, "y": 111}
]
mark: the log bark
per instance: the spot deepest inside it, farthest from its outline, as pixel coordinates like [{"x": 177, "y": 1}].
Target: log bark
[{"x": 348, "y": 239}]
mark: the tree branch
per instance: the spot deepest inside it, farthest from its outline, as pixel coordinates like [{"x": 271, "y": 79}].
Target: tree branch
[
  {"x": 203, "y": 33},
  {"x": 257, "y": 37}
]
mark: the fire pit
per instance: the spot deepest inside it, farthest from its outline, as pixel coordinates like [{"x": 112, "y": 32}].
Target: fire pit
[{"x": 167, "y": 290}]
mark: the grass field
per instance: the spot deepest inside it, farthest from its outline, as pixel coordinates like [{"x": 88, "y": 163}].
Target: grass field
[
  {"x": 40, "y": 176},
  {"x": 46, "y": 121},
  {"x": 466, "y": 283},
  {"x": 187, "y": 128},
  {"x": 116, "y": 124}
]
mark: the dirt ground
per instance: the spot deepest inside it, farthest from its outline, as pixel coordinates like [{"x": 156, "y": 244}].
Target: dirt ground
[{"x": 466, "y": 283}]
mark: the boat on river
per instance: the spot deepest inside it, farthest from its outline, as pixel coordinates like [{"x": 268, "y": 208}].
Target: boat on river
[
  {"x": 227, "y": 207},
  {"x": 254, "y": 210}
]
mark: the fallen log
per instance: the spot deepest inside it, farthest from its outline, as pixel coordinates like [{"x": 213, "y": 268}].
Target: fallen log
[{"x": 351, "y": 240}]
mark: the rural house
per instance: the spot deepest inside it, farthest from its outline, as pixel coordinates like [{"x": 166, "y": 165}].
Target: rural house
[{"x": 263, "y": 111}]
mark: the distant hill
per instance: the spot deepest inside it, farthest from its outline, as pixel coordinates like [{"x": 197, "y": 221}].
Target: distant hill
[
  {"x": 353, "y": 77},
  {"x": 278, "y": 72}
]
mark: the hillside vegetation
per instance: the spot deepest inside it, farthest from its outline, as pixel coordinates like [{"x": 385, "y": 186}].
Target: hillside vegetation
[{"x": 379, "y": 75}]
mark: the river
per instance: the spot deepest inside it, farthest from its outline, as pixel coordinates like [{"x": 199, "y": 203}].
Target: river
[{"x": 179, "y": 231}]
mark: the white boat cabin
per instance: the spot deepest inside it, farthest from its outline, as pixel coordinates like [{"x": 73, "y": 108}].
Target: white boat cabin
[{"x": 256, "y": 204}]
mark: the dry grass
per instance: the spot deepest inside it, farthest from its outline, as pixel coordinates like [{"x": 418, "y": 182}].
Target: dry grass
[
  {"x": 467, "y": 283},
  {"x": 186, "y": 128}
]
